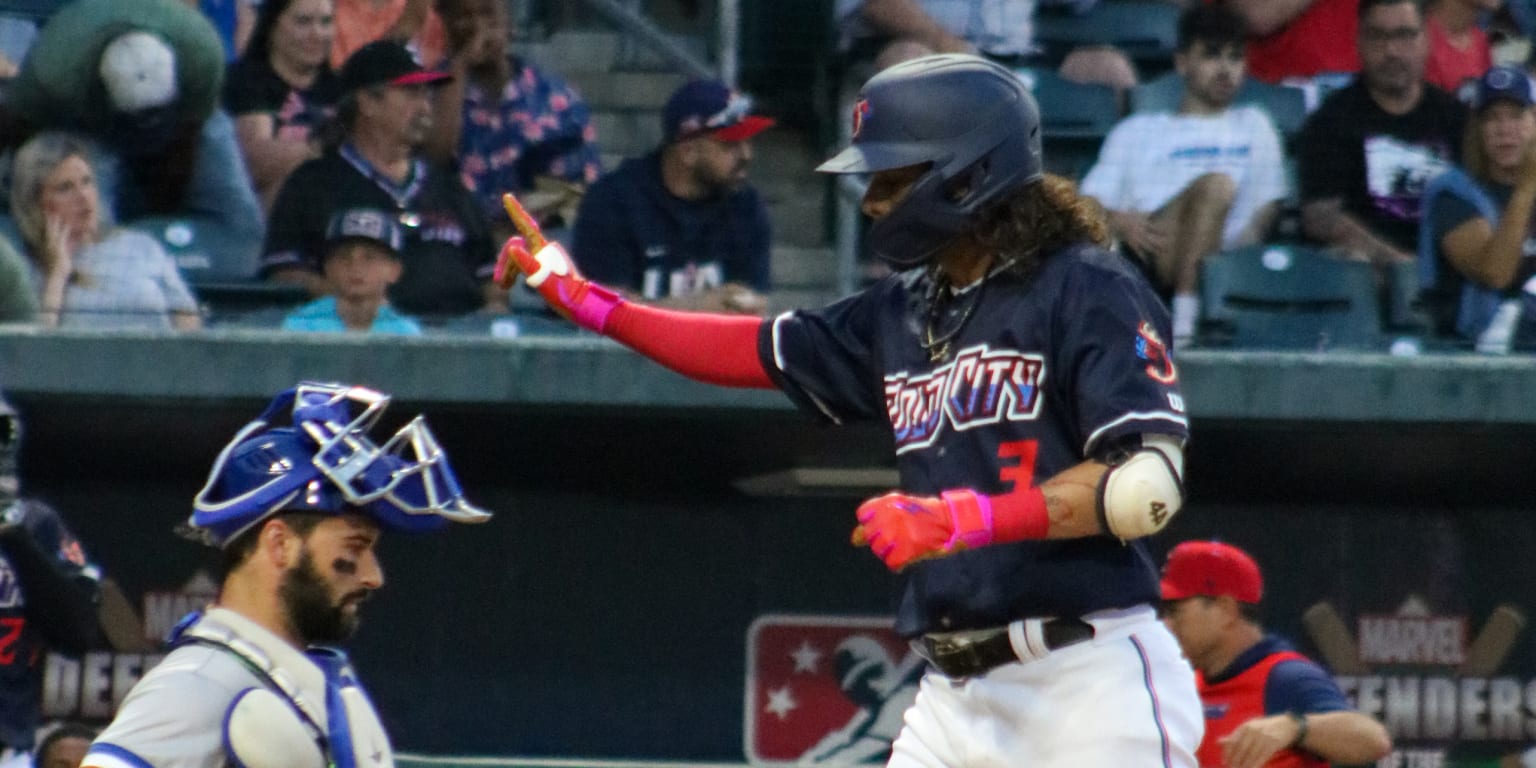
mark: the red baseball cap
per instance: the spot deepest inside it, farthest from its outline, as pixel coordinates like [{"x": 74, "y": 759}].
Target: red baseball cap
[{"x": 1211, "y": 569}]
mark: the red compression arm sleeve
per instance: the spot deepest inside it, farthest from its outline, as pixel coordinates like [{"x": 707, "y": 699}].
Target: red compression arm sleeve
[{"x": 716, "y": 349}]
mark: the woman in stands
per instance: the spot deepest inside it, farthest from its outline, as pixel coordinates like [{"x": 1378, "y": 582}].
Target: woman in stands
[
  {"x": 89, "y": 273},
  {"x": 282, "y": 90},
  {"x": 1476, "y": 250}
]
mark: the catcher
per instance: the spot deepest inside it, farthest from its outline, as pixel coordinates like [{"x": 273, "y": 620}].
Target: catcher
[{"x": 296, "y": 502}]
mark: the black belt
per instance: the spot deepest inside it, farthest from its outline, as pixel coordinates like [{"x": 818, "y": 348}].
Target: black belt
[{"x": 968, "y": 654}]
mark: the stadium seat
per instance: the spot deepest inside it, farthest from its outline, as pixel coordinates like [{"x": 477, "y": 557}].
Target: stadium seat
[
  {"x": 1070, "y": 109},
  {"x": 202, "y": 257},
  {"x": 1146, "y": 30},
  {"x": 1074, "y": 119},
  {"x": 1286, "y": 106},
  {"x": 1288, "y": 297}
]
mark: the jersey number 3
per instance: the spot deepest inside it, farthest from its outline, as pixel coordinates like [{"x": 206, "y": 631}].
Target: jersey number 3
[{"x": 1021, "y": 471}]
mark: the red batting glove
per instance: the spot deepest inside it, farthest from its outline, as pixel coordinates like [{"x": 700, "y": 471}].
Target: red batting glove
[
  {"x": 552, "y": 273},
  {"x": 901, "y": 529}
]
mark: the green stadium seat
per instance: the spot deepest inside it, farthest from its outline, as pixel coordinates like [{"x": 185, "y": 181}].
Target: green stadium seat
[
  {"x": 1070, "y": 109},
  {"x": 1146, "y": 30},
  {"x": 1271, "y": 296},
  {"x": 202, "y": 255},
  {"x": 1074, "y": 119}
]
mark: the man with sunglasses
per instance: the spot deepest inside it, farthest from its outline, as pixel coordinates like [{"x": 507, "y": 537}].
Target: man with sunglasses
[
  {"x": 296, "y": 503},
  {"x": 682, "y": 226},
  {"x": 1265, "y": 704}
]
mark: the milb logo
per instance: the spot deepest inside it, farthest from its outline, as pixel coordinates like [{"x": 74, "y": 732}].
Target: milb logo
[
  {"x": 825, "y": 689},
  {"x": 980, "y": 387}
]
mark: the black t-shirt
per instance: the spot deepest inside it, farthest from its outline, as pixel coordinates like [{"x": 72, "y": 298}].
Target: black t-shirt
[
  {"x": 251, "y": 86},
  {"x": 1376, "y": 162},
  {"x": 1045, "y": 372},
  {"x": 448, "y": 253}
]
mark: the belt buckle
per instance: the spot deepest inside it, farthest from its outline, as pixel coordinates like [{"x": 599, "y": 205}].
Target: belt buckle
[{"x": 957, "y": 654}]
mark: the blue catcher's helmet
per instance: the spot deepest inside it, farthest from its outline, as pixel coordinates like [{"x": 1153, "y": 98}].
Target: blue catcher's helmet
[
  {"x": 974, "y": 121},
  {"x": 326, "y": 462}
]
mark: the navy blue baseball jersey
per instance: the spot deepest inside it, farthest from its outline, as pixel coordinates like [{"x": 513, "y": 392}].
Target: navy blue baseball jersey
[
  {"x": 1046, "y": 371},
  {"x": 47, "y": 601}
]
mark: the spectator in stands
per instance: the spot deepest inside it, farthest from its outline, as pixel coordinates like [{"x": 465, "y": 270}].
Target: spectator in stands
[
  {"x": 361, "y": 261},
  {"x": 385, "y": 112},
  {"x": 64, "y": 746},
  {"x": 282, "y": 91},
  {"x": 1178, "y": 187},
  {"x": 508, "y": 122},
  {"x": 50, "y": 590},
  {"x": 413, "y": 22},
  {"x": 89, "y": 273},
  {"x": 143, "y": 80},
  {"x": 683, "y": 226},
  {"x": 893, "y": 31},
  {"x": 1477, "y": 249},
  {"x": 1458, "y": 47},
  {"x": 1295, "y": 40},
  {"x": 1366, "y": 154}
]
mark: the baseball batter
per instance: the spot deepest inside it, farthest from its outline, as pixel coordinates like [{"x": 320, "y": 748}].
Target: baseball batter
[
  {"x": 1037, "y": 420},
  {"x": 296, "y": 502}
]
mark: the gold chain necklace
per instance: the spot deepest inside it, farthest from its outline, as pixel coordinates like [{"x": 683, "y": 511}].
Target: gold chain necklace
[{"x": 937, "y": 344}]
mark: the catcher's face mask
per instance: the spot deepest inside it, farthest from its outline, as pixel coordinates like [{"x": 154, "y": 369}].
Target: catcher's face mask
[{"x": 326, "y": 462}]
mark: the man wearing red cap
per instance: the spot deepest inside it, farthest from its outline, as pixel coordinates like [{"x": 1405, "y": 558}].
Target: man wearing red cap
[
  {"x": 682, "y": 226},
  {"x": 1265, "y": 704}
]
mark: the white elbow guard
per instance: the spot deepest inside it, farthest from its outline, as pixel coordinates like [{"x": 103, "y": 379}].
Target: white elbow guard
[{"x": 1138, "y": 496}]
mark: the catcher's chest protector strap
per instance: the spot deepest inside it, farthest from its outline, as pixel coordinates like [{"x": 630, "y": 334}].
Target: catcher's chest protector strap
[{"x": 340, "y": 723}]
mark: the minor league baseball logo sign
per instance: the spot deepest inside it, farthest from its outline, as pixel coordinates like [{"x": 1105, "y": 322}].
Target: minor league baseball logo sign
[{"x": 825, "y": 689}]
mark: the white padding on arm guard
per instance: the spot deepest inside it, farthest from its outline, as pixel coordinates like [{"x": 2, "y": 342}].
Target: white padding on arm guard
[
  {"x": 263, "y": 731},
  {"x": 1138, "y": 496}
]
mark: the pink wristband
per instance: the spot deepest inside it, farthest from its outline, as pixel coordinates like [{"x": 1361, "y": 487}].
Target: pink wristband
[
  {"x": 968, "y": 506},
  {"x": 592, "y": 311}
]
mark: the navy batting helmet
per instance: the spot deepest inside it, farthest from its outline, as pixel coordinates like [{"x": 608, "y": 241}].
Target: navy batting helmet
[
  {"x": 326, "y": 462},
  {"x": 976, "y": 124}
]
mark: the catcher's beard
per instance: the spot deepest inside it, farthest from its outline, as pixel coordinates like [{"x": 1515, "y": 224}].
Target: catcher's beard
[{"x": 312, "y": 613}]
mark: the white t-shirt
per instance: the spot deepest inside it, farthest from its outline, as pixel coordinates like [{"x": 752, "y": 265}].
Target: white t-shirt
[{"x": 1148, "y": 159}]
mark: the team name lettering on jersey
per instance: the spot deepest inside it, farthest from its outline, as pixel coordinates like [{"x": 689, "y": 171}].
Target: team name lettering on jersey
[{"x": 981, "y": 386}]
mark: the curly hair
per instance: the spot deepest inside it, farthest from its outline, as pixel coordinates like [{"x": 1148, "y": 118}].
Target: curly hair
[{"x": 1037, "y": 219}]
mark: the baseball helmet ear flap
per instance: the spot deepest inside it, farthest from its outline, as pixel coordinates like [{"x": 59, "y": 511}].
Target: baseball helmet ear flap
[{"x": 976, "y": 125}]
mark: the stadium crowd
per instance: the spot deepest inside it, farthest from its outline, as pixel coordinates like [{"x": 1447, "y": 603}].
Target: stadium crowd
[
  {"x": 338, "y": 164},
  {"x": 167, "y": 162}
]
